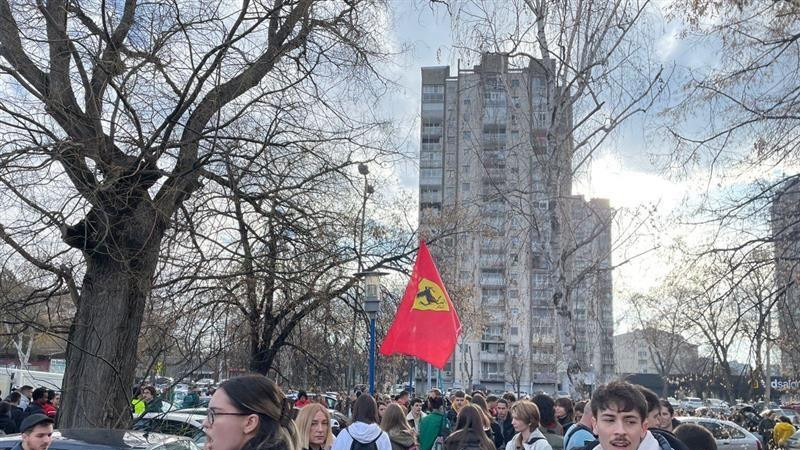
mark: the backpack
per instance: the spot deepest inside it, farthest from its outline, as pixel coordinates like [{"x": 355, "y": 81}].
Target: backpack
[
  {"x": 357, "y": 445},
  {"x": 572, "y": 431}
]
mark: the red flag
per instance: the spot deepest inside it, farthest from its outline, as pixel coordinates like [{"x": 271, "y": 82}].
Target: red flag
[{"x": 426, "y": 324}]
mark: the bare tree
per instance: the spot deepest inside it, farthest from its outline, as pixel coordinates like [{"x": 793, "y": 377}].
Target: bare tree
[
  {"x": 663, "y": 322},
  {"x": 109, "y": 117},
  {"x": 583, "y": 51}
]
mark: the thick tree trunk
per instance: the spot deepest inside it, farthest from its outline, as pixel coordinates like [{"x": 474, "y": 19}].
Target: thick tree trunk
[{"x": 103, "y": 337}]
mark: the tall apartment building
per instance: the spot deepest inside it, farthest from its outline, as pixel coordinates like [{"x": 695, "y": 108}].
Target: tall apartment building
[
  {"x": 486, "y": 187},
  {"x": 786, "y": 235}
]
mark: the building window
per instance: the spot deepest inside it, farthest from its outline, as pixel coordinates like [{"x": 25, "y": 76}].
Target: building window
[
  {"x": 515, "y": 83},
  {"x": 467, "y": 102},
  {"x": 432, "y": 93},
  {"x": 514, "y": 331},
  {"x": 467, "y": 135}
]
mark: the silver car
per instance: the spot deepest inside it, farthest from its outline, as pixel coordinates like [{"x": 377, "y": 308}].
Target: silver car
[
  {"x": 729, "y": 436},
  {"x": 794, "y": 442}
]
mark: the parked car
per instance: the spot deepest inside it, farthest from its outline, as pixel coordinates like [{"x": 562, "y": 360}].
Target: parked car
[
  {"x": 103, "y": 439},
  {"x": 717, "y": 403},
  {"x": 794, "y": 442},
  {"x": 691, "y": 403},
  {"x": 729, "y": 436},
  {"x": 187, "y": 423}
]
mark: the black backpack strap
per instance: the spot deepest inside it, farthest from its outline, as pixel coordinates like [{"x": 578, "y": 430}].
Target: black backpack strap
[
  {"x": 572, "y": 432},
  {"x": 534, "y": 439}
]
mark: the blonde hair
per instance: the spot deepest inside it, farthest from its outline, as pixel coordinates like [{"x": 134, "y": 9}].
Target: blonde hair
[
  {"x": 304, "y": 420},
  {"x": 527, "y": 412}
]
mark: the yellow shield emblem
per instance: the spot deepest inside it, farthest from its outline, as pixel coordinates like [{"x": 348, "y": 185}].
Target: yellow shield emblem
[{"x": 430, "y": 297}]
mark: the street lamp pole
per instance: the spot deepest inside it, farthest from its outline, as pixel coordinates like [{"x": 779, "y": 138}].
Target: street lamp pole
[
  {"x": 372, "y": 304},
  {"x": 363, "y": 169}
]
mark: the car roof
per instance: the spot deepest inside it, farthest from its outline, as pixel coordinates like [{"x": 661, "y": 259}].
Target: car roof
[
  {"x": 179, "y": 416},
  {"x": 101, "y": 439},
  {"x": 708, "y": 419}
]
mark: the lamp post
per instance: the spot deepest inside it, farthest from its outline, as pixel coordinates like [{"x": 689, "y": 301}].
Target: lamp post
[{"x": 372, "y": 304}]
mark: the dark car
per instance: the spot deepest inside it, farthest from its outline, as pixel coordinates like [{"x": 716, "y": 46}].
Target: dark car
[{"x": 102, "y": 439}]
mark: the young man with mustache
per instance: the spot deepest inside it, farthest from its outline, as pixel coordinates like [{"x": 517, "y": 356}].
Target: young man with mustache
[{"x": 620, "y": 419}]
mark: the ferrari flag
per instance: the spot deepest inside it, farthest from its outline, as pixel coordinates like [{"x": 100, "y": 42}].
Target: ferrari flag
[{"x": 426, "y": 324}]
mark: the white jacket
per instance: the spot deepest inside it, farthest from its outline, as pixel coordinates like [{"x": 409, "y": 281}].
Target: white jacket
[
  {"x": 538, "y": 444},
  {"x": 363, "y": 433}
]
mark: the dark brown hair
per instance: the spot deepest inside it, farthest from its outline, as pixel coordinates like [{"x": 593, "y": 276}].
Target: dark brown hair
[
  {"x": 469, "y": 428},
  {"x": 365, "y": 409},
  {"x": 255, "y": 394},
  {"x": 623, "y": 395}
]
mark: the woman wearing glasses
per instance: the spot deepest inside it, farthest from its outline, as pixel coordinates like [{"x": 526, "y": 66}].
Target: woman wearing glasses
[
  {"x": 314, "y": 427},
  {"x": 249, "y": 413}
]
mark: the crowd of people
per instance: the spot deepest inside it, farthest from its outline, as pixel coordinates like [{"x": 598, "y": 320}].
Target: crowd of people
[
  {"x": 26, "y": 401},
  {"x": 251, "y": 412},
  {"x": 619, "y": 416}
]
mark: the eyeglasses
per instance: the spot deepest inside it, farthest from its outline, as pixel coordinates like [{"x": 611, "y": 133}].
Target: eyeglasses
[{"x": 211, "y": 415}]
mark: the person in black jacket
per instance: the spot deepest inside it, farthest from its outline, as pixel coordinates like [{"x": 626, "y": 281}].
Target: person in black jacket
[
  {"x": 503, "y": 418},
  {"x": 654, "y": 419},
  {"x": 7, "y": 424},
  {"x": 565, "y": 413},
  {"x": 15, "y": 411},
  {"x": 38, "y": 399}
]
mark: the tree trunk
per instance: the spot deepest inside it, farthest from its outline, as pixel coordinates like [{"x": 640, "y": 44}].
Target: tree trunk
[{"x": 103, "y": 338}]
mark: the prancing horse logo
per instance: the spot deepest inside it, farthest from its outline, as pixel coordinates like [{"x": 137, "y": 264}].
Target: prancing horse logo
[{"x": 430, "y": 297}]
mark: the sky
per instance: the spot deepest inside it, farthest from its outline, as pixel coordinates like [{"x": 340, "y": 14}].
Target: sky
[{"x": 621, "y": 171}]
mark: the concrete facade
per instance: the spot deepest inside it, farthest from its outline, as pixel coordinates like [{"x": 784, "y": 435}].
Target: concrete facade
[
  {"x": 785, "y": 214},
  {"x": 485, "y": 189}
]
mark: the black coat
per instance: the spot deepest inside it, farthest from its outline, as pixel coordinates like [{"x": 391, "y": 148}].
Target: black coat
[
  {"x": 496, "y": 435},
  {"x": 33, "y": 408},
  {"x": 507, "y": 430},
  {"x": 7, "y": 424}
]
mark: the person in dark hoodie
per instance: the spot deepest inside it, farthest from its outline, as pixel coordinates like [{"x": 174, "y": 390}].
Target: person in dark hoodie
[
  {"x": 469, "y": 432},
  {"x": 620, "y": 420},
  {"x": 400, "y": 433},
  {"x": 654, "y": 419}
]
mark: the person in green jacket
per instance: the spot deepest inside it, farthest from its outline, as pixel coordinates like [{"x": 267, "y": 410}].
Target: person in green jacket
[
  {"x": 192, "y": 399},
  {"x": 433, "y": 426},
  {"x": 137, "y": 403}
]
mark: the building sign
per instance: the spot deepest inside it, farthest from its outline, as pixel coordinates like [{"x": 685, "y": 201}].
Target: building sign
[
  {"x": 58, "y": 365},
  {"x": 785, "y": 385}
]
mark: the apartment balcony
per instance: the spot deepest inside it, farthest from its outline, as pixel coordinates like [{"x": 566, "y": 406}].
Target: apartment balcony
[
  {"x": 492, "y": 281},
  {"x": 491, "y": 376},
  {"x": 492, "y": 357},
  {"x": 492, "y": 338}
]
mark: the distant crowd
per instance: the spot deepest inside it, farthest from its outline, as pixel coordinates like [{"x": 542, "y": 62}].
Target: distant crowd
[{"x": 25, "y": 401}]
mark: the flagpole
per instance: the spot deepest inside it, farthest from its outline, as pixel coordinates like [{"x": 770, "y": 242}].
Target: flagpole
[{"x": 372, "y": 356}]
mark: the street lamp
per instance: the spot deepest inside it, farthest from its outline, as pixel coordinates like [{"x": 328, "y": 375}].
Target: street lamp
[{"x": 372, "y": 304}]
